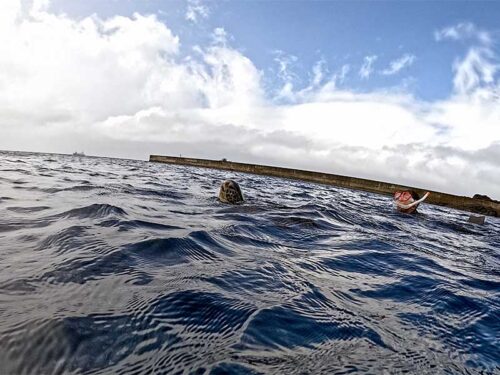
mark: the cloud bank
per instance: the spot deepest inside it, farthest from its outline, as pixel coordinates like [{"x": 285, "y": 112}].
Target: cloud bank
[{"x": 120, "y": 86}]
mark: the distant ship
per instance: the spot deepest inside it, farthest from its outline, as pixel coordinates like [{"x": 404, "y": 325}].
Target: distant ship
[{"x": 78, "y": 153}]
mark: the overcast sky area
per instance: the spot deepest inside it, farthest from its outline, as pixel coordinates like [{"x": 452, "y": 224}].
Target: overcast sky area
[{"x": 405, "y": 92}]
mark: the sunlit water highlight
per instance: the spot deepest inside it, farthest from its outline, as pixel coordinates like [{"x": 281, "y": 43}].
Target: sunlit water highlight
[{"x": 128, "y": 267}]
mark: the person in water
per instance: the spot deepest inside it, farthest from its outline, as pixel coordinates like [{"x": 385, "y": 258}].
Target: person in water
[
  {"x": 408, "y": 201},
  {"x": 230, "y": 192}
]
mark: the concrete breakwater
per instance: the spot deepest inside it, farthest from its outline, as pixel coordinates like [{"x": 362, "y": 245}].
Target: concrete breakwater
[{"x": 481, "y": 205}]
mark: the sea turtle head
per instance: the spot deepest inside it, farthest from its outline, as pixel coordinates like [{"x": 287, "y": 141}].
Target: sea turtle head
[{"x": 230, "y": 192}]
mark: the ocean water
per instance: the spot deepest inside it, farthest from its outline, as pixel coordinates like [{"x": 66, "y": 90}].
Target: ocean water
[{"x": 128, "y": 267}]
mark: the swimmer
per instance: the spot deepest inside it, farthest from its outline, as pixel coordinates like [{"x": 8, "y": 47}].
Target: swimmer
[
  {"x": 408, "y": 201},
  {"x": 230, "y": 192}
]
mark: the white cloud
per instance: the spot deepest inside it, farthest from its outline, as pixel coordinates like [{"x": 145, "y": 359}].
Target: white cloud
[
  {"x": 477, "y": 70},
  {"x": 120, "y": 86},
  {"x": 196, "y": 11},
  {"x": 219, "y": 36},
  {"x": 319, "y": 71},
  {"x": 40, "y": 6},
  {"x": 366, "y": 69},
  {"x": 343, "y": 72},
  {"x": 322, "y": 79},
  {"x": 285, "y": 73},
  {"x": 397, "y": 65},
  {"x": 285, "y": 62},
  {"x": 462, "y": 31},
  {"x": 9, "y": 13}
]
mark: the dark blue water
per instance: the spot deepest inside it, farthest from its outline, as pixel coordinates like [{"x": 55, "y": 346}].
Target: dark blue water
[{"x": 126, "y": 267}]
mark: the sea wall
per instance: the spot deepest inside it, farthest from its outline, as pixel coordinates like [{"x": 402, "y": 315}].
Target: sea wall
[{"x": 481, "y": 206}]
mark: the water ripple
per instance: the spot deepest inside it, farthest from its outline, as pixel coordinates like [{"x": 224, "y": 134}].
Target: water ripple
[{"x": 126, "y": 267}]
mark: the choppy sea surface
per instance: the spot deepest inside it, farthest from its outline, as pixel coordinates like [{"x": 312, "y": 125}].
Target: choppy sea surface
[{"x": 128, "y": 267}]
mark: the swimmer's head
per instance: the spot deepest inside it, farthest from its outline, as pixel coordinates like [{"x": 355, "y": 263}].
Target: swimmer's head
[{"x": 406, "y": 201}]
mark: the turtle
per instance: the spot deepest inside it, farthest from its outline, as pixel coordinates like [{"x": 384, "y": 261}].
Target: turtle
[{"x": 230, "y": 192}]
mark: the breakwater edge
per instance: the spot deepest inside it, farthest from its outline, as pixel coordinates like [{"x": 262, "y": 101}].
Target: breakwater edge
[{"x": 481, "y": 205}]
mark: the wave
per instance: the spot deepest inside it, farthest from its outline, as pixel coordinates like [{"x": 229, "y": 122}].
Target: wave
[
  {"x": 28, "y": 209},
  {"x": 120, "y": 266},
  {"x": 93, "y": 211}
]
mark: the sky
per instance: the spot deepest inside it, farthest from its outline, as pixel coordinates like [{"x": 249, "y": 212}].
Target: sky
[{"x": 403, "y": 92}]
